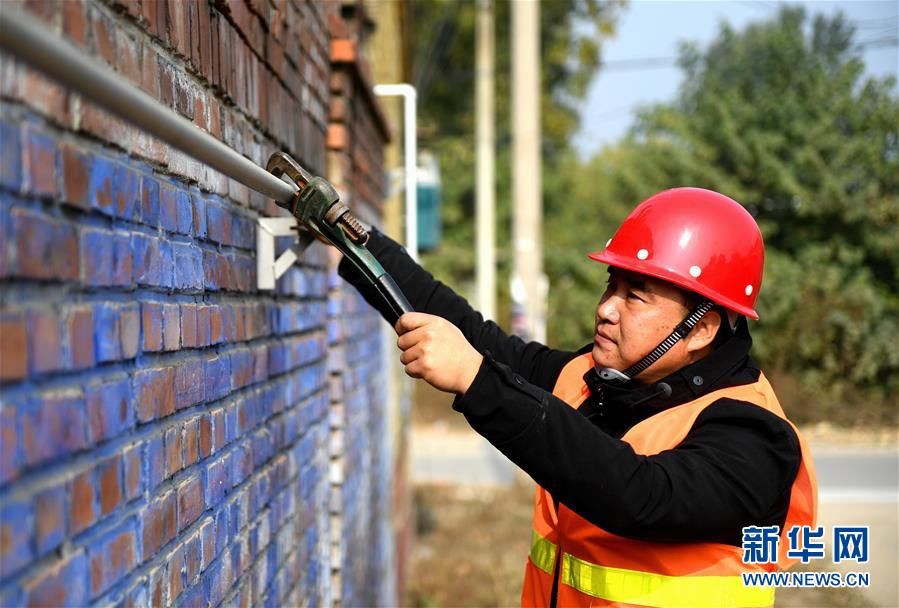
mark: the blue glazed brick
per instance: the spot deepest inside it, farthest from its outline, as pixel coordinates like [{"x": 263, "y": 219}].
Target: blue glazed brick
[
  {"x": 128, "y": 193},
  {"x": 195, "y": 597},
  {"x": 155, "y": 462},
  {"x": 241, "y": 368},
  {"x": 218, "y": 223},
  {"x": 15, "y": 529},
  {"x": 65, "y": 579},
  {"x": 122, "y": 259},
  {"x": 232, "y": 427},
  {"x": 50, "y": 518},
  {"x": 218, "y": 481},
  {"x": 109, "y": 409},
  {"x": 221, "y": 529},
  {"x": 192, "y": 555},
  {"x": 185, "y": 212},
  {"x": 10, "y": 456},
  {"x": 152, "y": 261},
  {"x": 107, "y": 338},
  {"x": 149, "y": 201},
  {"x": 198, "y": 208},
  {"x": 241, "y": 464},
  {"x": 97, "y": 249},
  {"x": 11, "y": 153},
  {"x": 166, "y": 271},
  {"x": 42, "y": 163},
  {"x": 168, "y": 208},
  {"x": 188, "y": 266},
  {"x": 190, "y": 383},
  {"x": 53, "y": 426},
  {"x": 102, "y": 185},
  {"x": 218, "y": 378},
  {"x": 112, "y": 557}
]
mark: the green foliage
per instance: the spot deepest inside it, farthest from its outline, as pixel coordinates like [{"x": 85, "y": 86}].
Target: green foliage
[
  {"x": 779, "y": 117},
  {"x": 444, "y": 73}
]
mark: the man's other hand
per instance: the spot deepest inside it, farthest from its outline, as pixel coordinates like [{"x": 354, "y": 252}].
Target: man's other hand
[{"x": 436, "y": 351}]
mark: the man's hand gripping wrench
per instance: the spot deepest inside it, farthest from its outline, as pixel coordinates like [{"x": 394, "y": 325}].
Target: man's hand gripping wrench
[{"x": 317, "y": 206}]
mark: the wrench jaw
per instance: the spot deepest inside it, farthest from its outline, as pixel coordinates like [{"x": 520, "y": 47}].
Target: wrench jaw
[{"x": 317, "y": 207}]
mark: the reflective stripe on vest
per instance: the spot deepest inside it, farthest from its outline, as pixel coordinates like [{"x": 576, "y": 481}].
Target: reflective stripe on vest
[
  {"x": 646, "y": 588},
  {"x": 543, "y": 553}
]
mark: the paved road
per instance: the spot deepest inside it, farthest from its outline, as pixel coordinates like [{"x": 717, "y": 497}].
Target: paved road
[{"x": 861, "y": 486}]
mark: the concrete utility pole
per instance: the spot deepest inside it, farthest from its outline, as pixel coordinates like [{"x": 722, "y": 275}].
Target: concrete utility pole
[
  {"x": 485, "y": 199},
  {"x": 528, "y": 283}
]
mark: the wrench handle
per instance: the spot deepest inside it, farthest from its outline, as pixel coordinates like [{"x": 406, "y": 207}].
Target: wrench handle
[{"x": 393, "y": 297}]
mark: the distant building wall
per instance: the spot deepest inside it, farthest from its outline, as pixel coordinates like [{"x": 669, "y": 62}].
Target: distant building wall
[{"x": 169, "y": 434}]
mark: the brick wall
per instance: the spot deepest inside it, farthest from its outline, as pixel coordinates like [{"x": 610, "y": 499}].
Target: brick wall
[{"x": 170, "y": 435}]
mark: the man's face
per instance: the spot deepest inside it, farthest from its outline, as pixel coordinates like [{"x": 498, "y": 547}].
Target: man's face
[{"x": 634, "y": 314}]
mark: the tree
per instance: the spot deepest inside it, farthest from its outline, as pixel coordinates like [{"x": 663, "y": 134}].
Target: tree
[
  {"x": 781, "y": 118},
  {"x": 570, "y": 35}
]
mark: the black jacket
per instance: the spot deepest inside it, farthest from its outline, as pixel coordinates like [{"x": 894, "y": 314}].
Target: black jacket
[{"x": 734, "y": 468}]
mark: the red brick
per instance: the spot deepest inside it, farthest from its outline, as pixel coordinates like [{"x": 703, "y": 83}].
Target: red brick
[
  {"x": 189, "y": 325},
  {"x": 151, "y": 325},
  {"x": 200, "y": 112},
  {"x": 129, "y": 56},
  {"x": 155, "y": 393},
  {"x": 166, "y": 83},
  {"x": 13, "y": 346},
  {"x": 133, "y": 470},
  {"x": 74, "y": 23},
  {"x": 173, "y": 449},
  {"x": 157, "y": 578},
  {"x": 204, "y": 49},
  {"x": 47, "y": 249},
  {"x": 190, "y": 502},
  {"x": 150, "y": 71},
  {"x": 104, "y": 36},
  {"x": 80, "y": 332},
  {"x": 205, "y": 435},
  {"x": 215, "y": 324},
  {"x": 110, "y": 478},
  {"x": 191, "y": 443},
  {"x": 41, "y": 150},
  {"x": 75, "y": 172},
  {"x": 178, "y": 31},
  {"x": 83, "y": 512},
  {"x": 193, "y": 22},
  {"x": 112, "y": 560},
  {"x": 159, "y": 524},
  {"x": 176, "y": 573},
  {"x": 337, "y": 137}
]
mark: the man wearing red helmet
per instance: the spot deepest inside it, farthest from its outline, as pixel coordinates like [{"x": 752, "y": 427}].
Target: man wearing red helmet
[{"x": 654, "y": 445}]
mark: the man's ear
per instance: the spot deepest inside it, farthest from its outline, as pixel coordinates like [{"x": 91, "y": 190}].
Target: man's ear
[{"x": 704, "y": 332}]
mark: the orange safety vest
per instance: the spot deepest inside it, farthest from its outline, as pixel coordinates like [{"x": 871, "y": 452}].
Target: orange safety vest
[{"x": 602, "y": 569}]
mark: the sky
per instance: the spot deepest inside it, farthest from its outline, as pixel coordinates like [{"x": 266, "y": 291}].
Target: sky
[{"x": 653, "y": 29}]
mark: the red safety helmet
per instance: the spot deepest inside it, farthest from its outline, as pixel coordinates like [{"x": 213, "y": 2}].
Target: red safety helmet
[{"x": 699, "y": 240}]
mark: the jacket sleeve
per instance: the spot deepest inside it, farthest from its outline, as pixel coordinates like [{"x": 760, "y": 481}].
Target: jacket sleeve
[
  {"x": 535, "y": 361},
  {"x": 735, "y": 468}
]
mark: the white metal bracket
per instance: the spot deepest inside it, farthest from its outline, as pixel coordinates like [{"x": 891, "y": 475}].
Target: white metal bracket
[{"x": 269, "y": 269}]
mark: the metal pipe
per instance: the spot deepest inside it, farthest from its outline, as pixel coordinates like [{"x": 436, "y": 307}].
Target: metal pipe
[
  {"x": 32, "y": 41},
  {"x": 410, "y": 158}
]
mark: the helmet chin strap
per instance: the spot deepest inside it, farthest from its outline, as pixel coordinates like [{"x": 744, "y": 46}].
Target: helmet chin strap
[{"x": 680, "y": 332}]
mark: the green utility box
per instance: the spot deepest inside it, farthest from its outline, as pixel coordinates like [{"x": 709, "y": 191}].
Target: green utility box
[{"x": 428, "y": 192}]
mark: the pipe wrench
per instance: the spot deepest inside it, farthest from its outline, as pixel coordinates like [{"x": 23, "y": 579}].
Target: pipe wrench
[{"x": 317, "y": 207}]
